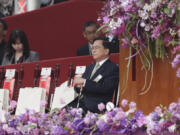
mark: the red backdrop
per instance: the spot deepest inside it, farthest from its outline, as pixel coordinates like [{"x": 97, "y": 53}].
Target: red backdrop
[{"x": 56, "y": 31}]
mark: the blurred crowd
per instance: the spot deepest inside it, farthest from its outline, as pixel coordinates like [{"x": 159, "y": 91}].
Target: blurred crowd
[{"x": 8, "y": 7}]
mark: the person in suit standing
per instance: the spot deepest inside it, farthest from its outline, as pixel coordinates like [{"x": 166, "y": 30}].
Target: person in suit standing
[
  {"x": 100, "y": 79},
  {"x": 18, "y": 50},
  {"x": 89, "y": 32},
  {"x": 3, "y": 31}
]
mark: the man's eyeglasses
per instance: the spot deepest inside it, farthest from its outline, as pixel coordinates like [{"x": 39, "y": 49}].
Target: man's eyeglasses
[{"x": 95, "y": 47}]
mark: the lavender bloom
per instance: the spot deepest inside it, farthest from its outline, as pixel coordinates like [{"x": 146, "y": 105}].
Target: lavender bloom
[
  {"x": 178, "y": 73},
  {"x": 13, "y": 104},
  {"x": 124, "y": 102},
  {"x": 156, "y": 32},
  {"x": 102, "y": 125},
  {"x": 101, "y": 107}
]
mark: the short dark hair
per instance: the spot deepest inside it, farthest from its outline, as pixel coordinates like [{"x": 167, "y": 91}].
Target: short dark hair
[
  {"x": 5, "y": 26},
  {"x": 90, "y": 23},
  {"x": 106, "y": 44},
  {"x": 15, "y": 35}
]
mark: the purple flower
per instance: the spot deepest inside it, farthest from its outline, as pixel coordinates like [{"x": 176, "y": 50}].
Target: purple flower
[
  {"x": 102, "y": 125},
  {"x": 101, "y": 107},
  {"x": 156, "y": 32},
  {"x": 87, "y": 120},
  {"x": 178, "y": 73},
  {"x": 105, "y": 20},
  {"x": 124, "y": 102},
  {"x": 167, "y": 38},
  {"x": 120, "y": 115},
  {"x": 172, "y": 106},
  {"x": 132, "y": 106},
  {"x": 58, "y": 130},
  {"x": 153, "y": 15},
  {"x": 158, "y": 110}
]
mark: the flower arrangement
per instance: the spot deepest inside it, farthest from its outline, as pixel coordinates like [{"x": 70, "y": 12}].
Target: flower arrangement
[
  {"x": 124, "y": 120},
  {"x": 150, "y": 27}
]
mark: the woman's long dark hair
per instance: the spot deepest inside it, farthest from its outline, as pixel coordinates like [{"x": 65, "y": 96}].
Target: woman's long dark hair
[{"x": 14, "y": 36}]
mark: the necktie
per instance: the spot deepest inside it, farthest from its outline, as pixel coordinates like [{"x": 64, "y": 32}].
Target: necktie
[{"x": 95, "y": 69}]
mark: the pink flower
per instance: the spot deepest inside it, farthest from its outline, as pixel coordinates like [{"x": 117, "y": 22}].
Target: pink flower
[
  {"x": 101, "y": 107},
  {"x": 179, "y": 33},
  {"x": 62, "y": 101},
  {"x": 124, "y": 102},
  {"x": 13, "y": 104},
  {"x": 178, "y": 73},
  {"x": 105, "y": 19},
  {"x": 43, "y": 103},
  {"x": 68, "y": 125}
]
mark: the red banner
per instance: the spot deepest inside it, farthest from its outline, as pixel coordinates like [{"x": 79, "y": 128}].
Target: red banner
[
  {"x": 45, "y": 83},
  {"x": 9, "y": 85}
]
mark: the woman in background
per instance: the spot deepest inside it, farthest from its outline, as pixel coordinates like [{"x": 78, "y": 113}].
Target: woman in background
[{"x": 18, "y": 50}]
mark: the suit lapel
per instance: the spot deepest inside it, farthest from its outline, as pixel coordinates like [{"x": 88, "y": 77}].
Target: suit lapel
[
  {"x": 90, "y": 70},
  {"x": 100, "y": 70}
]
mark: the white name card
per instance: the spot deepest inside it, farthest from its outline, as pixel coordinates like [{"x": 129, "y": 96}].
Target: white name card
[
  {"x": 80, "y": 70},
  {"x": 63, "y": 96},
  {"x": 4, "y": 99},
  {"x": 31, "y": 98},
  {"x": 10, "y": 73},
  {"x": 46, "y": 71}
]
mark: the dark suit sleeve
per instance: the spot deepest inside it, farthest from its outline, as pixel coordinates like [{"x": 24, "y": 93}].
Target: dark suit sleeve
[{"x": 109, "y": 83}]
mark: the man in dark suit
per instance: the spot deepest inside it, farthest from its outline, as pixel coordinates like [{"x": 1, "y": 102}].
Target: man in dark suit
[
  {"x": 89, "y": 32},
  {"x": 100, "y": 79},
  {"x": 3, "y": 31}
]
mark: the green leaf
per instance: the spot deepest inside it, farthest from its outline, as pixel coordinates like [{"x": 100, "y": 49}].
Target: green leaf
[
  {"x": 173, "y": 42},
  {"x": 162, "y": 49},
  {"x": 178, "y": 17},
  {"x": 157, "y": 48},
  {"x": 167, "y": 11},
  {"x": 32, "y": 126},
  {"x": 102, "y": 27}
]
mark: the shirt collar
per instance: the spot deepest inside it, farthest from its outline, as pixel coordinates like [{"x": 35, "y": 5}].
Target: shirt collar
[
  {"x": 90, "y": 45},
  {"x": 102, "y": 61}
]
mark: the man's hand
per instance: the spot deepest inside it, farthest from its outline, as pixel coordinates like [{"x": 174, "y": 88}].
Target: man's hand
[{"x": 78, "y": 82}]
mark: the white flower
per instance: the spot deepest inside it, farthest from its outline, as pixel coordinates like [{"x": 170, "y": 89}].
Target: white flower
[
  {"x": 142, "y": 24},
  {"x": 115, "y": 23},
  {"x": 5, "y": 126},
  {"x": 147, "y": 28},
  {"x": 172, "y": 128},
  {"x": 150, "y": 124},
  {"x": 143, "y": 14},
  {"x": 109, "y": 106},
  {"x": 147, "y": 7},
  {"x": 124, "y": 3}
]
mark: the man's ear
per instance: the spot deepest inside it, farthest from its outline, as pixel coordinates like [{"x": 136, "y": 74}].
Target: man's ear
[{"x": 107, "y": 51}]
